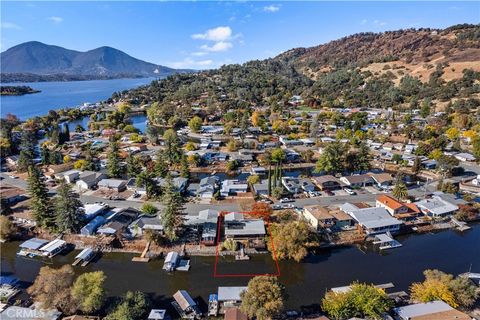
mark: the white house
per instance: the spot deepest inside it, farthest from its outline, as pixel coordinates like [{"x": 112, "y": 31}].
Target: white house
[
  {"x": 373, "y": 220},
  {"x": 436, "y": 207}
]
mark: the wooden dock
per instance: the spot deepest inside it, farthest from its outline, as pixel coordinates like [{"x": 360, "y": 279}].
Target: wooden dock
[
  {"x": 461, "y": 225},
  {"x": 143, "y": 257}
]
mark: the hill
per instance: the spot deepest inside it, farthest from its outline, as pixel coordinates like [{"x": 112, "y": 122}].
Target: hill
[
  {"x": 395, "y": 69},
  {"x": 31, "y": 60}
]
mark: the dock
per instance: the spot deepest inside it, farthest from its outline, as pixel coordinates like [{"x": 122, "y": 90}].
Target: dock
[
  {"x": 344, "y": 289},
  {"x": 241, "y": 256},
  {"x": 143, "y": 257},
  {"x": 84, "y": 257},
  {"x": 461, "y": 225}
]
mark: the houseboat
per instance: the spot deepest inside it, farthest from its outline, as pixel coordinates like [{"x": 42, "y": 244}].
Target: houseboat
[
  {"x": 53, "y": 248},
  {"x": 174, "y": 262},
  {"x": 31, "y": 248},
  {"x": 186, "y": 307}
]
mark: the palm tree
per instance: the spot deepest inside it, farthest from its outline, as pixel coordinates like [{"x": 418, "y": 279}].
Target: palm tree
[{"x": 400, "y": 190}]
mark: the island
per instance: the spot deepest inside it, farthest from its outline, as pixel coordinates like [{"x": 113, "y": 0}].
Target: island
[{"x": 16, "y": 90}]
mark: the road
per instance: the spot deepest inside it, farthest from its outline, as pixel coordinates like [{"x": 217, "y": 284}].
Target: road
[{"x": 192, "y": 208}]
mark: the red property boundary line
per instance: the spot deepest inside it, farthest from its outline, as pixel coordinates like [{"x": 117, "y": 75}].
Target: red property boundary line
[{"x": 250, "y": 275}]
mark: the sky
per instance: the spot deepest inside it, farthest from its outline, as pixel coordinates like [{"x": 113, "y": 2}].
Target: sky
[{"x": 204, "y": 35}]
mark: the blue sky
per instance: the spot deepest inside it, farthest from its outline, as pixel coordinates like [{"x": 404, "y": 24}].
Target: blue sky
[{"x": 204, "y": 35}]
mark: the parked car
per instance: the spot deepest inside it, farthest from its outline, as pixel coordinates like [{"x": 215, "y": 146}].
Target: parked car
[
  {"x": 286, "y": 200},
  {"x": 13, "y": 177},
  {"x": 349, "y": 191}
]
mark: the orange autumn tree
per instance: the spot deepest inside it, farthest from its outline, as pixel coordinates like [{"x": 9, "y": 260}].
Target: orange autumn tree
[{"x": 262, "y": 210}]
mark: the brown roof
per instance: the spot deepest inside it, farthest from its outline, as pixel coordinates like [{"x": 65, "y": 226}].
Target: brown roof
[
  {"x": 235, "y": 314},
  {"x": 8, "y": 191},
  {"x": 325, "y": 178},
  {"x": 382, "y": 177},
  {"x": 340, "y": 215},
  {"x": 360, "y": 178},
  {"x": 319, "y": 212},
  {"x": 444, "y": 315}
]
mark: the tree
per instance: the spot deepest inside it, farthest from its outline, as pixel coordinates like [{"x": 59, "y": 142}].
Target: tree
[
  {"x": 195, "y": 123},
  {"x": 145, "y": 179},
  {"x": 88, "y": 291},
  {"x": 452, "y": 134},
  {"x": 184, "y": 167},
  {"x": 7, "y": 230},
  {"x": 52, "y": 289},
  {"x": 277, "y": 192},
  {"x": 172, "y": 208},
  {"x": 262, "y": 210},
  {"x": 67, "y": 207},
  {"x": 263, "y": 299},
  {"x": 417, "y": 166},
  {"x": 290, "y": 240},
  {"x": 161, "y": 166},
  {"x": 134, "y": 166},
  {"x": 331, "y": 159},
  {"x": 172, "y": 150},
  {"x": 396, "y": 158},
  {"x": 230, "y": 245},
  {"x": 253, "y": 179},
  {"x": 400, "y": 190},
  {"x": 149, "y": 209},
  {"x": 256, "y": 119},
  {"x": 132, "y": 307},
  {"x": 438, "y": 285},
  {"x": 114, "y": 168},
  {"x": 40, "y": 201},
  {"x": 27, "y": 151},
  {"x": 362, "y": 300}
]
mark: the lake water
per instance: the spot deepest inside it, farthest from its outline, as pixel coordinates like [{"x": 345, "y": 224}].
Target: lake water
[
  {"x": 305, "y": 282},
  {"x": 58, "y": 95}
]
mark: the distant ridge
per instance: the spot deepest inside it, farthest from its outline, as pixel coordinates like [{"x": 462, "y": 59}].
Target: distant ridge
[{"x": 37, "y": 61}]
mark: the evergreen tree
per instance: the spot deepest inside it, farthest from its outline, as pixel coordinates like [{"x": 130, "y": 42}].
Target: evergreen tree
[
  {"x": 172, "y": 150},
  {"x": 27, "y": 151},
  {"x": 45, "y": 155},
  {"x": 39, "y": 202},
  {"x": 67, "y": 205},
  {"x": 417, "y": 165},
  {"x": 161, "y": 167},
  {"x": 113, "y": 166},
  {"x": 172, "y": 209},
  {"x": 133, "y": 166},
  {"x": 184, "y": 167},
  {"x": 66, "y": 133},
  {"x": 145, "y": 179}
]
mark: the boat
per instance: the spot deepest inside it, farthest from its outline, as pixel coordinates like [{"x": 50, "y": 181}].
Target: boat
[
  {"x": 213, "y": 305},
  {"x": 84, "y": 257},
  {"x": 241, "y": 256},
  {"x": 173, "y": 262},
  {"x": 53, "y": 248},
  {"x": 31, "y": 248}
]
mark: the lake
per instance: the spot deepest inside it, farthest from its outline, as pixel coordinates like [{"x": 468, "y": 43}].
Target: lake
[
  {"x": 58, "y": 95},
  {"x": 305, "y": 282}
]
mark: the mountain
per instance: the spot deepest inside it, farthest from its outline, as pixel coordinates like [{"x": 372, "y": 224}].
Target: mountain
[{"x": 48, "y": 61}]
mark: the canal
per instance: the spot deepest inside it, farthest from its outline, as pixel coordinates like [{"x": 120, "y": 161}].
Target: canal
[{"x": 306, "y": 282}]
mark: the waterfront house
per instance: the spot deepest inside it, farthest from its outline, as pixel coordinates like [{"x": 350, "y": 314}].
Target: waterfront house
[
  {"x": 113, "y": 184},
  {"x": 401, "y": 210},
  {"x": 144, "y": 223},
  {"x": 91, "y": 227},
  {"x": 320, "y": 217},
  {"x": 327, "y": 182},
  {"x": 357, "y": 181},
  {"x": 91, "y": 210},
  {"x": 119, "y": 222},
  {"x": 206, "y": 221},
  {"x": 372, "y": 220},
  {"x": 230, "y": 296},
  {"x": 436, "y": 207},
  {"x": 237, "y": 227},
  {"x": 233, "y": 187},
  {"x": 434, "y": 310}
]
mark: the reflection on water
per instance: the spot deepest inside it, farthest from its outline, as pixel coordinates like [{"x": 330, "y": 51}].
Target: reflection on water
[{"x": 305, "y": 283}]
